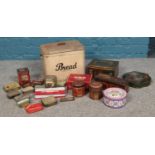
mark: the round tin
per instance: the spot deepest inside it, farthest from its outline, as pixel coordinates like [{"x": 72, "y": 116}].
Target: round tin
[
  {"x": 78, "y": 88},
  {"x": 114, "y": 97},
  {"x": 95, "y": 90}
]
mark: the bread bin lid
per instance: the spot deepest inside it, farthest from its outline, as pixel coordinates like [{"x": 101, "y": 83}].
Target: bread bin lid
[{"x": 61, "y": 47}]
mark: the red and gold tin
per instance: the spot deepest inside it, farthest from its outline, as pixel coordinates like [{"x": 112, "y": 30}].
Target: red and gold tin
[
  {"x": 78, "y": 88},
  {"x": 95, "y": 90},
  {"x": 23, "y": 77}
]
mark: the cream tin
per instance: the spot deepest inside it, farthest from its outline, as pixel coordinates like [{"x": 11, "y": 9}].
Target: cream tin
[{"x": 114, "y": 97}]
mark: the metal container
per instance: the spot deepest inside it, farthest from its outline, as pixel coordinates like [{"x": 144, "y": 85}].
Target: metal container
[
  {"x": 49, "y": 101},
  {"x": 114, "y": 97},
  {"x": 11, "y": 86},
  {"x": 97, "y": 66},
  {"x": 34, "y": 108},
  {"x": 63, "y": 58},
  {"x": 78, "y": 88},
  {"x": 24, "y": 77},
  {"x": 23, "y": 102},
  {"x": 28, "y": 89},
  {"x": 67, "y": 98},
  {"x": 95, "y": 90},
  {"x": 11, "y": 94},
  {"x": 50, "y": 81}
]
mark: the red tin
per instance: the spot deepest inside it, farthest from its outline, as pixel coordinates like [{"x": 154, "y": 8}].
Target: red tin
[
  {"x": 34, "y": 107},
  {"x": 23, "y": 77},
  {"x": 80, "y": 77}
]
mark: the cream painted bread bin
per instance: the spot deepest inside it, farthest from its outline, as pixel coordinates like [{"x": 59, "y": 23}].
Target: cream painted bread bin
[{"x": 63, "y": 58}]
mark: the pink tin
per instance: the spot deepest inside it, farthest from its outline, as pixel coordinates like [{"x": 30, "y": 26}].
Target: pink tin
[{"x": 114, "y": 97}]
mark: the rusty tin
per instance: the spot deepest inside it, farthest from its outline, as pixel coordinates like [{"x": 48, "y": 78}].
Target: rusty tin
[
  {"x": 67, "y": 98},
  {"x": 108, "y": 82},
  {"x": 97, "y": 66},
  {"x": 95, "y": 90}
]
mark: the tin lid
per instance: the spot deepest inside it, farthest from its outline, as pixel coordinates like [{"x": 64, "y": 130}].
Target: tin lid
[
  {"x": 78, "y": 83},
  {"x": 97, "y": 63},
  {"x": 61, "y": 47},
  {"x": 23, "y": 70},
  {"x": 96, "y": 85}
]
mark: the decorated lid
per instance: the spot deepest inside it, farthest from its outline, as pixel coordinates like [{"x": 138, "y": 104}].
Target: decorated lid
[
  {"x": 115, "y": 93},
  {"x": 78, "y": 83},
  {"x": 96, "y": 85}
]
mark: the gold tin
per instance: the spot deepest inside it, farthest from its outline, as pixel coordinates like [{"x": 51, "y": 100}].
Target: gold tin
[
  {"x": 29, "y": 89},
  {"x": 49, "y": 101},
  {"x": 23, "y": 103},
  {"x": 67, "y": 98},
  {"x": 11, "y": 86}
]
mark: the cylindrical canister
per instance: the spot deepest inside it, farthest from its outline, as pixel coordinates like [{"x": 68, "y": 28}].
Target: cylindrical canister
[
  {"x": 78, "y": 88},
  {"x": 114, "y": 97},
  {"x": 95, "y": 90}
]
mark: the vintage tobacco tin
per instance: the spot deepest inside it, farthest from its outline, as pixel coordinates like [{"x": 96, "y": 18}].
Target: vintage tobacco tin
[
  {"x": 78, "y": 88},
  {"x": 95, "y": 90},
  {"x": 50, "y": 81},
  {"x": 49, "y": 101},
  {"x": 137, "y": 79},
  {"x": 11, "y": 86},
  {"x": 97, "y": 66},
  {"x": 39, "y": 81},
  {"x": 24, "y": 77},
  {"x": 11, "y": 94},
  {"x": 34, "y": 108},
  {"x": 28, "y": 89},
  {"x": 67, "y": 98},
  {"x": 114, "y": 97},
  {"x": 109, "y": 82}
]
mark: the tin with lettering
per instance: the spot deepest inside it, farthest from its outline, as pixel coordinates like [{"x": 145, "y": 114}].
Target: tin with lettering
[
  {"x": 63, "y": 58},
  {"x": 95, "y": 90},
  {"x": 11, "y": 86},
  {"x": 78, "y": 88},
  {"x": 24, "y": 77}
]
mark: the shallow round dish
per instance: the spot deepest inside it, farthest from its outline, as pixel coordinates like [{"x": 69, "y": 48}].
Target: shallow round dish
[{"x": 114, "y": 97}]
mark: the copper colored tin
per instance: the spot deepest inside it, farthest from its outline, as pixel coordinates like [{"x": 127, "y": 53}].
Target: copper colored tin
[
  {"x": 78, "y": 88},
  {"x": 95, "y": 90}
]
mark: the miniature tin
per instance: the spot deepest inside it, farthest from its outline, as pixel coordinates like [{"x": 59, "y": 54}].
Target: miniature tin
[
  {"x": 23, "y": 77},
  {"x": 28, "y": 89},
  {"x": 49, "y": 101},
  {"x": 74, "y": 77},
  {"x": 50, "y": 81},
  {"x": 11, "y": 86},
  {"x": 39, "y": 81},
  {"x": 97, "y": 66},
  {"x": 34, "y": 108},
  {"x": 67, "y": 98},
  {"x": 22, "y": 97},
  {"x": 23, "y": 103},
  {"x": 114, "y": 97},
  {"x": 109, "y": 82},
  {"x": 11, "y": 94},
  {"x": 78, "y": 88},
  {"x": 137, "y": 79},
  {"x": 95, "y": 90}
]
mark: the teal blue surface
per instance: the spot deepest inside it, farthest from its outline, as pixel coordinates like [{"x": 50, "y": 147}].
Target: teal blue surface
[{"x": 27, "y": 48}]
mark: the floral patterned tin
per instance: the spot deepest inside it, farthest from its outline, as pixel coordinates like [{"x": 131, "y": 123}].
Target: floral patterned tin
[{"x": 114, "y": 97}]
